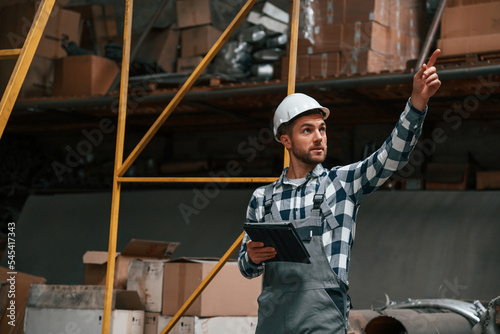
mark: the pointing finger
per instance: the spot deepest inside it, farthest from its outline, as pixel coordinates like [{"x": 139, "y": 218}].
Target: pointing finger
[{"x": 433, "y": 58}]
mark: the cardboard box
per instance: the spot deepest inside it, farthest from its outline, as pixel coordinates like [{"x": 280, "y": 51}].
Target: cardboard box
[
  {"x": 15, "y": 22},
  {"x": 453, "y": 3},
  {"x": 218, "y": 13},
  {"x": 96, "y": 261},
  {"x": 472, "y": 20},
  {"x": 275, "y": 12},
  {"x": 324, "y": 65},
  {"x": 213, "y": 325},
  {"x": 63, "y": 26},
  {"x": 156, "y": 323},
  {"x": 405, "y": 47},
  {"x": 191, "y": 13},
  {"x": 39, "y": 80},
  {"x": 228, "y": 294},
  {"x": 162, "y": 46},
  {"x": 472, "y": 44},
  {"x": 188, "y": 64},
  {"x": 302, "y": 67},
  {"x": 365, "y": 61},
  {"x": 367, "y": 36},
  {"x": 488, "y": 180},
  {"x": 324, "y": 38},
  {"x": 320, "y": 12},
  {"x": 151, "y": 322},
  {"x": 267, "y": 22},
  {"x": 146, "y": 277},
  {"x": 367, "y": 10},
  {"x": 198, "y": 40},
  {"x": 87, "y": 75},
  {"x": 79, "y": 308},
  {"x": 22, "y": 287},
  {"x": 408, "y": 18}
]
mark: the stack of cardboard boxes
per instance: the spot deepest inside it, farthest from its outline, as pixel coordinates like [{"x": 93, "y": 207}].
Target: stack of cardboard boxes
[
  {"x": 94, "y": 73},
  {"x": 470, "y": 26},
  {"x": 149, "y": 290},
  {"x": 15, "y": 23},
  {"x": 52, "y": 72},
  {"x": 357, "y": 36},
  {"x": 198, "y": 34}
]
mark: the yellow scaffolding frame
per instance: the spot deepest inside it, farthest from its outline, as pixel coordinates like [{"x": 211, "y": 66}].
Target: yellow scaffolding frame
[
  {"x": 121, "y": 167},
  {"x": 24, "y": 58}
]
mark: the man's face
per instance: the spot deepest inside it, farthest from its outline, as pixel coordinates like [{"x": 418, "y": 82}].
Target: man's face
[{"x": 307, "y": 139}]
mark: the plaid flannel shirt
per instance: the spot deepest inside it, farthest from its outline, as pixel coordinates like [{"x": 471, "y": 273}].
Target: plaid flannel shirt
[{"x": 346, "y": 187}]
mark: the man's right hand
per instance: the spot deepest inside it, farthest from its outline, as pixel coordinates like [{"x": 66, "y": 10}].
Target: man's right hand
[{"x": 258, "y": 253}]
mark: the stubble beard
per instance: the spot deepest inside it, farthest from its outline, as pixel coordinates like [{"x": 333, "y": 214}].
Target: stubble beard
[{"x": 308, "y": 157}]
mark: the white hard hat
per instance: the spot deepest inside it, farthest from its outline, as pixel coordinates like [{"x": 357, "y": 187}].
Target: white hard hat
[{"x": 292, "y": 106}]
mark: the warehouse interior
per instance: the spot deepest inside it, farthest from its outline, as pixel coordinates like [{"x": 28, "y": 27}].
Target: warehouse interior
[{"x": 429, "y": 234}]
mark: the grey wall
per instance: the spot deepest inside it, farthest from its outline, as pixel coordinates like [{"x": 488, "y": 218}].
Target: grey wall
[
  {"x": 54, "y": 232},
  {"x": 432, "y": 244},
  {"x": 420, "y": 244}
]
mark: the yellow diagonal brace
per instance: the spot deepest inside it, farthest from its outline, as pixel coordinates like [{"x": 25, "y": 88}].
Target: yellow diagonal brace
[
  {"x": 10, "y": 54},
  {"x": 24, "y": 61},
  {"x": 186, "y": 87},
  {"x": 204, "y": 284},
  {"x": 120, "y": 140}
]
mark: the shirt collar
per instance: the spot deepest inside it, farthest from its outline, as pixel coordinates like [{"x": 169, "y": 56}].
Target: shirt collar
[{"x": 314, "y": 173}]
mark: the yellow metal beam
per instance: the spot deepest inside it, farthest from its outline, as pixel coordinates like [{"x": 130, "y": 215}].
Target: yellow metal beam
[
  {"x": 197, "y": 179},
  {"x": 10, "y": 54},
  {"x": 24, "y": 61},
  {"x": 120, "y": 140},
  {"x": 294, "y": 32},
  {"x": 186, "y": 87},
  {"x": 236, "y": 245},
  {"x": 292, "y": 66}
]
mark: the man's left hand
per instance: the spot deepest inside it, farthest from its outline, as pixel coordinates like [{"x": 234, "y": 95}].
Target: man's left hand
[{"x": 425, "y": 83}]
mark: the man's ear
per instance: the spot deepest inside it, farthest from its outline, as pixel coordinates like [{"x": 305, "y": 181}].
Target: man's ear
[{"x": 286, "y": 141}]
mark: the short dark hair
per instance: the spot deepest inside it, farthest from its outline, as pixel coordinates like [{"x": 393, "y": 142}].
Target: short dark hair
[{"x": 285, "y": 127}]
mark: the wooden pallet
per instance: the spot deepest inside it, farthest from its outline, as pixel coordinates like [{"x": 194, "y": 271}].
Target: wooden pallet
[{"x": 471, "y": 58}]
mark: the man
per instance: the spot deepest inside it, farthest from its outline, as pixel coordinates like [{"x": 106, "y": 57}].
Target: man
[{"x": 322, "y": 204}]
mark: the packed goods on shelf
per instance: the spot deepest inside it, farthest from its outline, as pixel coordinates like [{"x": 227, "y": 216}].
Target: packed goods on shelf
[{"x": 336, "y": 37}]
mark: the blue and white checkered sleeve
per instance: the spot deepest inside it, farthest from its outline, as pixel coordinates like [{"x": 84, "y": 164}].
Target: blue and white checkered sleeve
[
  {"x": 368, "y": 175},
  {"x": 247, "y": 268}
]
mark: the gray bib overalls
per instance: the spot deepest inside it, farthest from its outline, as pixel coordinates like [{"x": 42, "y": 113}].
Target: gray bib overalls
[{"x": 300, "y": 298}]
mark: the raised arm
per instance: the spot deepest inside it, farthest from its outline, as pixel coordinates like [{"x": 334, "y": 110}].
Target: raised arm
[{"x": 364, "y": 177}]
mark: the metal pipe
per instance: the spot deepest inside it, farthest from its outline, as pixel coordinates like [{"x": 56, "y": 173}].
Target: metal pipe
[
  {"x": 278, "y": 88},
  {"x": 413, "y": 322},
  {"x": 430, "y": 35},
  {"x": 358, "y": 319}
]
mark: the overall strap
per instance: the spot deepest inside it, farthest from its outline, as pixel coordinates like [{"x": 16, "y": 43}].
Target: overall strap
[
  {"x": 318, "y": 199},
  {"x": 271, "y": 211}
]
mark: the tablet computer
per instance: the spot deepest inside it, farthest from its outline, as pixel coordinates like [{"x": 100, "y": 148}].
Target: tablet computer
[{"x": 283, "y": 237}]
